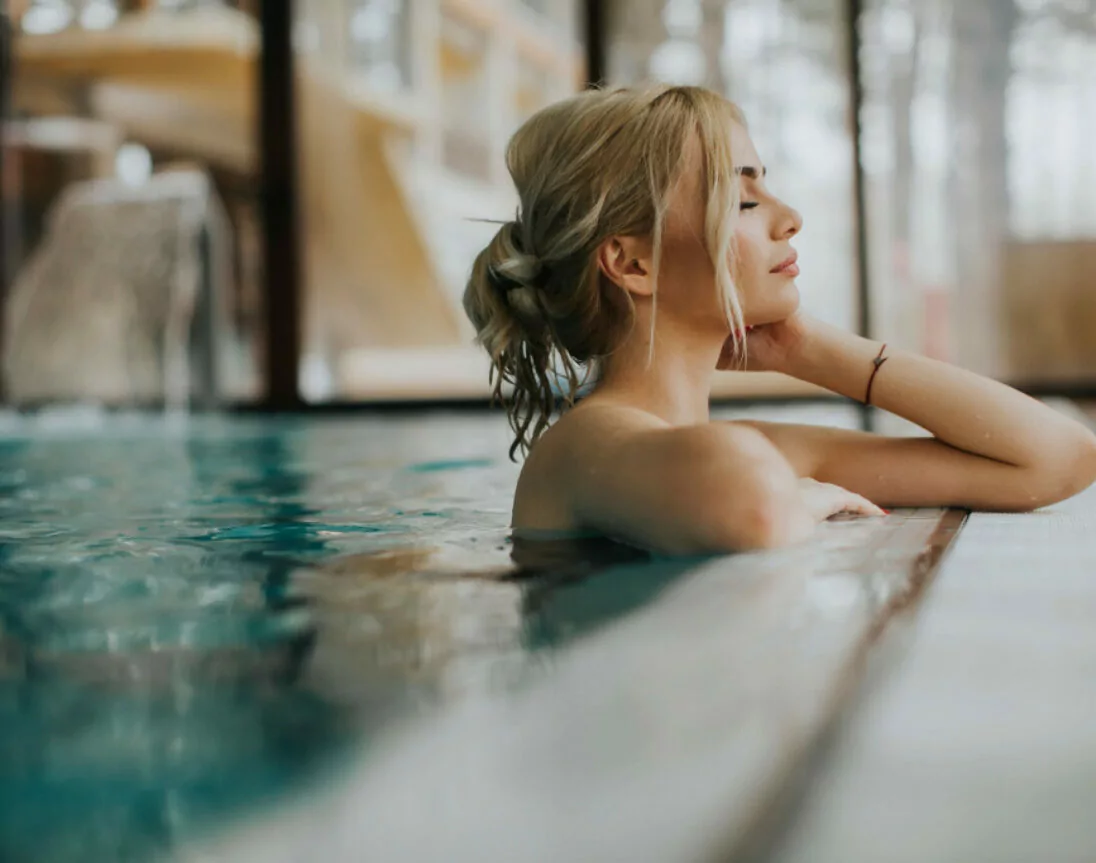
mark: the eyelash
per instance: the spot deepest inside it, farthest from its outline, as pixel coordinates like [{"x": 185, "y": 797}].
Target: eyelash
[{"x": 747, "y": 205}]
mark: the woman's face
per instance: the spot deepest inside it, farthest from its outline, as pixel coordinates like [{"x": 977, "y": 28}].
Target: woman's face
[{"x": 764, "y": 266}]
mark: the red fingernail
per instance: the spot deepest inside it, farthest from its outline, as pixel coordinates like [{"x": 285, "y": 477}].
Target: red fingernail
[{"x": 886, "y": 511}]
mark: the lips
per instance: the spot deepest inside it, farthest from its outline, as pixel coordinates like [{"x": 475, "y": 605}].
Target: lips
[{"x": 788, "y": 267}]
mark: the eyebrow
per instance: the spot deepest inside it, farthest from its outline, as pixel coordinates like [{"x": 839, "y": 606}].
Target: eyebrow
[{"x": 751, "y": 172}]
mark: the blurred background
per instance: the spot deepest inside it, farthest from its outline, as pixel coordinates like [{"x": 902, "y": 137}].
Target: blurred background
[{"x": 276, "y": 203}]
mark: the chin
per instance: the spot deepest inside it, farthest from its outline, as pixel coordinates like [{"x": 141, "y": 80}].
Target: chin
[{"x": 779, "y": 305}]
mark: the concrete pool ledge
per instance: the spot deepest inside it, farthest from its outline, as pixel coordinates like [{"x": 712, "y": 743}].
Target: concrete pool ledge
[
  {"x": 667, "y": 735},
  {"x": 980, "y": 745}
]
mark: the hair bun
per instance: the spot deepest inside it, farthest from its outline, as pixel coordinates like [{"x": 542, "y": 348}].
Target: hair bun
[{"x": 514, "y": 268}]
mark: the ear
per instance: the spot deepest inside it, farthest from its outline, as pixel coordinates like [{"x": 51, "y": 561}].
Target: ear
[{"x": 626, "y": 262}]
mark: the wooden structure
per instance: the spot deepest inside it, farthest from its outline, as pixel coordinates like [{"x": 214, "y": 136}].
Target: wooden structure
[
  {"x": 378, "y": 271},
  {"x": 1049, "y": 312}
]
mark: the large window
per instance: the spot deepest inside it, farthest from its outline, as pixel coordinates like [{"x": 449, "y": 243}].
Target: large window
[
  {"x": 977, "y": 137},
  {"x": 131, "y": 163},
  {"x": 978, "y": 131},
  {"x": 133, "y": 244}
]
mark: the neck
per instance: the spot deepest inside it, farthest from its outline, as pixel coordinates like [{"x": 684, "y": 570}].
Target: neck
[{"x": 676, "y": 385}]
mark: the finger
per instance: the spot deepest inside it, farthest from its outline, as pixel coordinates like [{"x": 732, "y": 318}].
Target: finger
[
  {"x": 849, "y": 501},
  {"x": 860, "y": 505}
]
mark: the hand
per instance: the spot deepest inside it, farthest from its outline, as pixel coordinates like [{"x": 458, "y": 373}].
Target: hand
[
  {"x": 823, "y": 500},
  {"x": 769, "y": 347}
]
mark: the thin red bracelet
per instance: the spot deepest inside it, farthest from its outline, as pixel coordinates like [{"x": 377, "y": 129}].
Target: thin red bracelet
[{"x": 878, "y": 362}]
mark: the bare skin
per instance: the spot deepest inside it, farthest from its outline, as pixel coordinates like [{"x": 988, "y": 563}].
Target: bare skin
[{"x": 640, "y": 459}]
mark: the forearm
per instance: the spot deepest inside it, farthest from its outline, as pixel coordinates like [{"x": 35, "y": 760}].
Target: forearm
[{"x": 966, "y": 411}]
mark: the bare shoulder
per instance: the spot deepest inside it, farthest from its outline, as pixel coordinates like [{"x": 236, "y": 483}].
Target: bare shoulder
[
  {"x": 626, "y": 474},
  {"x": 616, "y": 469},
  {"x": 582, "y": 439}
]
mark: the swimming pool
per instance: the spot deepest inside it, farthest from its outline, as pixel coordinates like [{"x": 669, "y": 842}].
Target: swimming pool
[{"x": 199, "y": 613}]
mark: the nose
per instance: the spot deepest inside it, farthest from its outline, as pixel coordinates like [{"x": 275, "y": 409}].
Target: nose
[{"x": 788, "y": 222}]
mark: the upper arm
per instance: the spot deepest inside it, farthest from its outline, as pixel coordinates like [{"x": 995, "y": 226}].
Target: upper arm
[
  {"x": 683, "y": 490},
  {"x": 915, "y": 471}
]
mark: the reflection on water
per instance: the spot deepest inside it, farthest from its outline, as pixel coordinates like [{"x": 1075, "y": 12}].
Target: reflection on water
[{"x": 194, "y": 618}]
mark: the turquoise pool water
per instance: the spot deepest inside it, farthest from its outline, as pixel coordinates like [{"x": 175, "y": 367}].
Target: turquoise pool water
[{"x": 198, "y": 614}]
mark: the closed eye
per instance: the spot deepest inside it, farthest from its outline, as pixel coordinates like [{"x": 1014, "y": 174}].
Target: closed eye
[{"x": 747, "y": 205}]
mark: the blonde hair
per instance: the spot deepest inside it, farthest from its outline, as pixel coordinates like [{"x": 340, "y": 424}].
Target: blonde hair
[{"x": 600, "y": 164}]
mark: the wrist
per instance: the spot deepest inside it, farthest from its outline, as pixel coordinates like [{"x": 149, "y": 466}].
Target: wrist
[
  {"x": 791, "y": 338},
  {"x": 835, "y": 359},
  {"x": 810, "y": 350}
]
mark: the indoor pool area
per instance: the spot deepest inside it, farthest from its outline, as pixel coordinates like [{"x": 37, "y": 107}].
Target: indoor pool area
[
  {"x": 284, "y": 282},
  {"x": 255, "y": 638}
]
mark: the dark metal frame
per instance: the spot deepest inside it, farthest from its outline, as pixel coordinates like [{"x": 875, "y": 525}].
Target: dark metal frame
[
  {"x": 280, "y": 207},
  {"x": 8, "y": 216},
  {"x": 596, "y": 41},
  {"x": 853, "y": 13}
]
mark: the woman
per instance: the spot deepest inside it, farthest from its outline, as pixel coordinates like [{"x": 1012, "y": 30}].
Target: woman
[{"x": 648, "y": 248}]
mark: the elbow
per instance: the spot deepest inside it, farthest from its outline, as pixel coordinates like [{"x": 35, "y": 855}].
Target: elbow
[
  {"x": 775, "y": 524},
  {"x": 767, "y": 514},
  {"x": 747, "y": 496},
  {"x": 1080, "y": 468},
  {"x": 1070, "y": 472}
]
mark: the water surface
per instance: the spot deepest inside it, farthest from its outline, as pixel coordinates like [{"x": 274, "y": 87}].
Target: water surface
[{"x": 197, "y": 615}]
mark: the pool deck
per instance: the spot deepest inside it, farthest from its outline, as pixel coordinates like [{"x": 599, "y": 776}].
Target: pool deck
[
  {"x": 980, "y": 744},
  {"x": 880, "y": 693}
]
